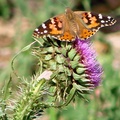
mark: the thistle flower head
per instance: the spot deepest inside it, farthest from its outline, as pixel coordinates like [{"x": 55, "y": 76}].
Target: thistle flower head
[{"x": 74, "y": 67}]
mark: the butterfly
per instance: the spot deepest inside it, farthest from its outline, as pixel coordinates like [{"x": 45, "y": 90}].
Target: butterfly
[{"x": 72, "y": 25}]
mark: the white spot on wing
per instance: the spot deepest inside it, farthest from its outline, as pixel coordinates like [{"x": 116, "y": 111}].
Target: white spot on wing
[
  {"x": 43, "y": 25},
  {"x": 107, "y": 24},
  {"x": 102, "y": 21},
  {"x": 109, "y": 17},
  {"x": 52, "y": 21},
  {"x": 89, "y": 14},
  {"x": 45, "y": 31},
  {"x": 102, "y": 25},
  {"x": 100, "y": 16},
  {"x": 36, "y": 29}
]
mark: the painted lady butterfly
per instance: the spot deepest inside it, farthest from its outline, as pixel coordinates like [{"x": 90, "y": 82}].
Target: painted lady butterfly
[{"x": 68, "y": 26}]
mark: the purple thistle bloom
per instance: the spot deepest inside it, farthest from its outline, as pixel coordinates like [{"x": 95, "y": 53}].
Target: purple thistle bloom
[{"x": 88, "y": 58}]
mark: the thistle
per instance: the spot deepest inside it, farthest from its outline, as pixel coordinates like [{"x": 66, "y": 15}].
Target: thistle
[
  {"x": 66, "y": 70},
  {"x": 75, "y": 70}
]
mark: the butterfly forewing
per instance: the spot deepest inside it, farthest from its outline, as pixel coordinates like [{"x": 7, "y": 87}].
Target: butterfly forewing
[
  {"x": 52, "y": 27},
  {"x": 94, "y": 20}
]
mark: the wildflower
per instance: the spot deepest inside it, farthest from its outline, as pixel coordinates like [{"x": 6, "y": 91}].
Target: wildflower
[{"x": 74, "y": 67}]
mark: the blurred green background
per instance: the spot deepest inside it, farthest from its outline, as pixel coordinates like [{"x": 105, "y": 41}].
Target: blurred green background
[{"x": 19, "y": 18}]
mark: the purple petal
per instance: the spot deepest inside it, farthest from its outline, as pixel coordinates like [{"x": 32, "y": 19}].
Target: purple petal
[{"x": 88, "y": 58}]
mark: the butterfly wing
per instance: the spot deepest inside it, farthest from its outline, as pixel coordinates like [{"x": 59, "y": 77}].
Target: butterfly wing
[
  {"x": 82, "y": 25},
  {"x": 52, "y": 27},
  {"x": 92, "y": 22}
]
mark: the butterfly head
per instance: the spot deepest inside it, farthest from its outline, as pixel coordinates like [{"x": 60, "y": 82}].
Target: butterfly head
[{"x": 69, "y": 13}]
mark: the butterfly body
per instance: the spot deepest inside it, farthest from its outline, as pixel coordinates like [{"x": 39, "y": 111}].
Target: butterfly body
[{"x": 68, "y": 26}]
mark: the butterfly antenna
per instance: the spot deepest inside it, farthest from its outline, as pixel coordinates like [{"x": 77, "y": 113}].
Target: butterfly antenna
[
  {"x": 61, "y": 2},
  {"x": 70, "y": 2}
]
